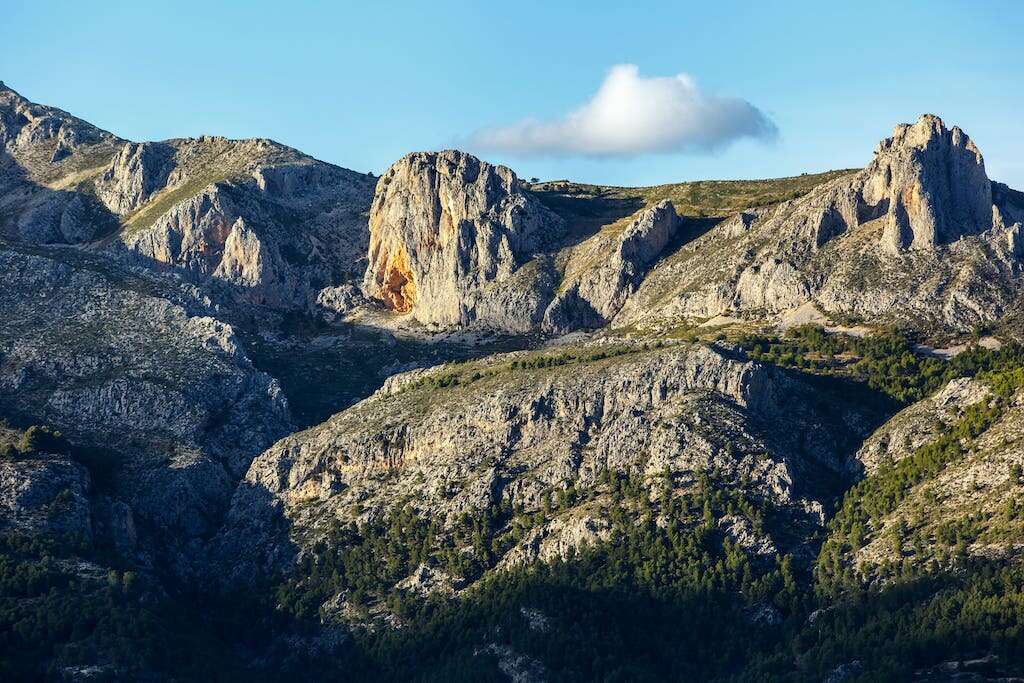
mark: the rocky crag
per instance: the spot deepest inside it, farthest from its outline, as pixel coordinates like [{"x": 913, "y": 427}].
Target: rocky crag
[
  {"x": 47, "y": 163},
  {"x": 140, "y": 372},
  {"x": 456, "y": 242},
  {"x": 450, "y": 237},
  {"x": 972, "y": 507},
  {"x": 158, "y": 296},
  {"x": 920, "y": 236},
  {"x": 276, "y": 225},
  {"x": 514, "y": 429}
]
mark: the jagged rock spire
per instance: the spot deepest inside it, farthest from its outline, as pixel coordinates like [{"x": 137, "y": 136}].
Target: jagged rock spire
[
  {"x": 445, "y": 228},
  {"x": 930, "y": 183}
]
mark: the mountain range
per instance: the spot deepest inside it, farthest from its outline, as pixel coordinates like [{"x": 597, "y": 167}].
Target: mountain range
[{"x": 265, "y": 417}]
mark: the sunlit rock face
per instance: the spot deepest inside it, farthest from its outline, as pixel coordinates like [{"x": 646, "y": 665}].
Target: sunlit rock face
[
  {"x": 920, "y": 236},
  {"x": 931, "y": 182},
  {"x": 519, "y": 432},
  {"x": 273, "y": 223},
  {"x": 448, "y": 234},
  {"x": 605, "y": 270}
]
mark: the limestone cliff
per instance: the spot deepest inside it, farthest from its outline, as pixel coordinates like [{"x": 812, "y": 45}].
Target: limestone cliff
[
  {"x": 137, "y": 367},
  {"x": 603, "y": 271},
  {"x": 48, "y": 162},
  {"x": 276, "y": 225},
  {"x": 45, "y": 496},
  {"x": 920, "y": 235},
  {"x": 930, "y": 183},
  {"x": 134, "y": 175},
  {"x": 513, "y": 429},
  {"x": 449, "y": 233}
]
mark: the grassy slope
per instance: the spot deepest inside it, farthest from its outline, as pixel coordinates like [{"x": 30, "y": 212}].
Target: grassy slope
[
  {"x": 595, "y": 214},
  {"x": 702, "y": 198}
]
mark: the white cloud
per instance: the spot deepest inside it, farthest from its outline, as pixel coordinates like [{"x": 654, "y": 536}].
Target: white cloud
[{"x": 631, "y": 115}]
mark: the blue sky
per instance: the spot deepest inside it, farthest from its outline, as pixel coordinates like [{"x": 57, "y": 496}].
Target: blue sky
[{"x": 360, "y": 84}]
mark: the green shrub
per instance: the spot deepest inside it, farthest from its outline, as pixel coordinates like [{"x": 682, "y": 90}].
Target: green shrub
[{"x": 38, "y": 439}]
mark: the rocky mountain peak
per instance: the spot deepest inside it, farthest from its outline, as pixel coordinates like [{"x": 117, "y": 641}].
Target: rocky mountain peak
[
  {"x": 930, "y": 183},
  {"x": 443, "y": 226},
  {"x": 27, "y": 127}
]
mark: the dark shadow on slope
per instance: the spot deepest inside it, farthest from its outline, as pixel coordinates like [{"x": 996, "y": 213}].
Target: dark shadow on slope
[
  {"x": 837, "y": 415},
  {"x": 585, "y": 214},
  {"x": 71, "y": 216},
  {"x": 325, "y": 369},
  {"x": 72, "y": 604},
  {"x": 841, "y": 414},
  {"x": 690, "y": 229}
]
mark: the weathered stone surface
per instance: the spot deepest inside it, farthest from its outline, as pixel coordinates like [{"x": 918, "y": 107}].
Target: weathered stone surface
[
  {"x": 930, "y": 183},
  {"x": 447, "y": 233},
  {"x": 40, "y": 137},
  {"x": 558, "y": 540},
  {"x": 920, "y": 423},
  {"x": 516, "y": 666},
  {"x": 606, "y": 269},
  {"x": 134, "y": 175},
  {"x": 46, "y": 496},
  {"x": 513, "y": 434},
  {"x": 977, "y": 488},
  {"x": 918, "y": 236},
  {"x": 334, "y": 302},
  {"x": 48, "y": 160},
  {"x": 138, "y": 367},
  {"x": 273, "y": 223}
]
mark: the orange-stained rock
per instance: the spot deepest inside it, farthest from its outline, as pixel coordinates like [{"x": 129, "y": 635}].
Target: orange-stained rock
[{"x": 448, "y": 234}]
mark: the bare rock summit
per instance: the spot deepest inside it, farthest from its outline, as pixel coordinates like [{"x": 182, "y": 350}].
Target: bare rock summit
[
  {"x": 448, "y": 233},
  {"x": 931, "y": 182}
]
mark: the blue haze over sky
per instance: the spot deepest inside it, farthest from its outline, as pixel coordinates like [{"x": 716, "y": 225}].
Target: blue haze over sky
[{"x": 360, "y": 84}]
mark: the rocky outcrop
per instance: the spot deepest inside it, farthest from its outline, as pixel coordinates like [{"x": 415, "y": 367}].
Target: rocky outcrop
[
  {"x": 920, "y": 236},
  {"x": 40, "y": 138},
  {"x": 135, "y": 174},
  {"x": 333, "y": 303},
  {"x": 447, "y": 233},
  {"x": 516, "y": 666},
  {"x": 48, "y": 160},
  {"x": 455, "y": 242},
  {"x": 274, "y": 225},
  {"x": 137, "y": 367},
  {"x": 920, "y": 423},
  {"x": 560, "y": 539},
  {"x": 515, "y": 428},
  {"x": 931, "y": 183},
  {"x": 271, "y": 223},
  {"x": 45, "y": 496},
  {"x": 969, "y": 505},
  {"x": 606, "y": 269}
]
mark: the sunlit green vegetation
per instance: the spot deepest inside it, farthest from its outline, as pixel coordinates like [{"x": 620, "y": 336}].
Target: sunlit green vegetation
[
  {"x": 464, "y": 373},
  {"x": 885, "y": 362},
  {"x": 698, "y": 198}
]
